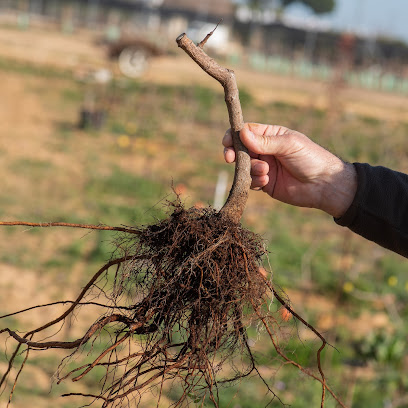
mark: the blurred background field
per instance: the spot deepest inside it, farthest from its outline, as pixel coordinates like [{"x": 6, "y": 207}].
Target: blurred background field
[{"x": 81, "y": 142}]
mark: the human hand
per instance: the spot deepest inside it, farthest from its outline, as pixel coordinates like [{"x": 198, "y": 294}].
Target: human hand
[{"x": 293, "y": 169}]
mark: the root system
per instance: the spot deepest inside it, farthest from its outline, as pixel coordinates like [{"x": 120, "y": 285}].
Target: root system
[
  {"x": 181, "y": 297},
  {"x": 183, "y": 293},
  {"x": 192, "y": 277}
]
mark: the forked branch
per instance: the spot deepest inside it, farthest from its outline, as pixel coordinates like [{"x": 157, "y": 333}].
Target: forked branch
[{"x": 235, "y": 204}]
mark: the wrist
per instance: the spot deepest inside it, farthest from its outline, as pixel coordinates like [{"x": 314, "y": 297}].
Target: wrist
[{"x": 340, "y": 189}]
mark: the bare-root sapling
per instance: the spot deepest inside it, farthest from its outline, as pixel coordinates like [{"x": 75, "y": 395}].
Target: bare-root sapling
[{"x": 182, "y": 294}]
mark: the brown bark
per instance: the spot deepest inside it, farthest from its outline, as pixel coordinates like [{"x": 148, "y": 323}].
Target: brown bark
[{"x": 235, "y": 204}]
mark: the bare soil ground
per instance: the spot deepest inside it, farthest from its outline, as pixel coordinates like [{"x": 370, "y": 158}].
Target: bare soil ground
[{"x": 80, "y": 51}]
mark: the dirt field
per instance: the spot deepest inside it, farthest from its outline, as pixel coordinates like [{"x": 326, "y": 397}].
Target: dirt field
[{"x": 80, "y": 52}]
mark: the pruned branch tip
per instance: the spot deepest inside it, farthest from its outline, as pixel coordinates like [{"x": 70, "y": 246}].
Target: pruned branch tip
[{"x": 203, "y": 42}]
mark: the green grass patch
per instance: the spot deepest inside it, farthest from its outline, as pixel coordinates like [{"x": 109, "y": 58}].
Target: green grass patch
[
  {"x": 120, "y": 183},
  {"x": 31, "y": 166},
  {"x": 26, "y": 68}
]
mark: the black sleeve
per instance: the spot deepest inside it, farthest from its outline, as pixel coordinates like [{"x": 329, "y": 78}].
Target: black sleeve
[{"x": 379, "y": 211}]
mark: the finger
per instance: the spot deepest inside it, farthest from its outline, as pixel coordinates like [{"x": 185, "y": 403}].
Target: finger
[
  {"x": 228, "y": 142},
  {"x": 275, "y": 140},
  {"x": 259, "y": 167},
  {"x": 227, "y": 139},
  {"x": 259, "y": 182},
  {"x": 229, "y": 154},
  {"x": 256, "y": 142},
  {"x": 266, "y": 130}
]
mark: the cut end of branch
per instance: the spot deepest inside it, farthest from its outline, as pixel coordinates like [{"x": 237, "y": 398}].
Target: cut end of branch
[{"x": 178, "y": 39}]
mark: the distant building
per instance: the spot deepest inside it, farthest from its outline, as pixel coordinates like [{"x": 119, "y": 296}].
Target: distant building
[
  {"x": 210, "y": 10},
  {"x": 166, "y": 15},
  {"x": 165, "y": 19}
]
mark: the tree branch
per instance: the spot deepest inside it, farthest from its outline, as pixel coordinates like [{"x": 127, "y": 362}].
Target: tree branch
[
  {"x": 235, "y": 204},
  {"x": 203, "y": 42}
]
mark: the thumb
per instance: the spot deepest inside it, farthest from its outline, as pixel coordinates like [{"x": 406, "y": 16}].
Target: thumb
[
  {"x": 270, "y": 140},
  {"x": 257, "y": 143}
]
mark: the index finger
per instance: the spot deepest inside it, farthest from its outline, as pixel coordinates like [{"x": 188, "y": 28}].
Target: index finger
[{"x": 227, "y": 139}]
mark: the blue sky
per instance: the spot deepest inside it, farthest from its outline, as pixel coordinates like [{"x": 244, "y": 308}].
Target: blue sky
[{"x": 369, "y": 17}]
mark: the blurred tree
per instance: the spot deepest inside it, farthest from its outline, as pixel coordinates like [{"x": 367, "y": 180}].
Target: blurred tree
[{"x": 317, "y": 6}]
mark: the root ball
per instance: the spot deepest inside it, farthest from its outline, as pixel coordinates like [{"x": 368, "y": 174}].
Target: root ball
[{"x": 193, "y": 278}]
